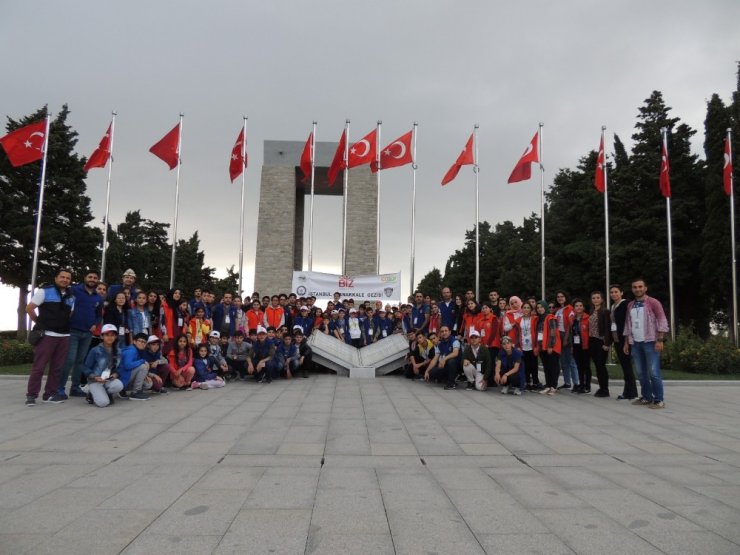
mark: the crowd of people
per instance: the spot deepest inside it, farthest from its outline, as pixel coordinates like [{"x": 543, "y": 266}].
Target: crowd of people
[{"x": 121, "y": 342}]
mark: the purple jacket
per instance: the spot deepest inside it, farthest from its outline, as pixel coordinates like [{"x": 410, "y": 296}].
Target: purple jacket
[{"x": 655, "y": 320}]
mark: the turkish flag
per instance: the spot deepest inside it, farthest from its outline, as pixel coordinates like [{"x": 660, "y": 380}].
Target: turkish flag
[
  {"x": 599, "y": 178},
  {"x": 523, "y": 169},
  {"x": 727, "y": 169},
  {"x": 238, "y": 160},
  {"x": 307, "y": 158},
  {"x": 25, "y": 145},
  {"x": 166, "y": 148},
  {"x": 100, "y": 157},
  {"x": 363, "y": 151},
  {"x": 396, "y": 154},
  {"x": 665, "y": 172},
  {"x": 337, "y": 164},
  {"x": 466, "y": 158}
]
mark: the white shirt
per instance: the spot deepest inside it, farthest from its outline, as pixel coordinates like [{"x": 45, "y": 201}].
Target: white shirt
[
  {"x": 526, "y": 325},
  {"x": 637, "y": 314}
]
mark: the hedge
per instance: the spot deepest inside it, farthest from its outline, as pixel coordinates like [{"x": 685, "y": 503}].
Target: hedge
[
  {"x": 13, "y": 351},
  {"x": 691, "y": 353}
]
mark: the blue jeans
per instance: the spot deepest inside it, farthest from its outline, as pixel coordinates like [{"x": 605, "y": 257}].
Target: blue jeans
[
  {"x": 79, "y": 345},
  {"x": 568, "y": 364},
  {"x": 646, "y": 361}
]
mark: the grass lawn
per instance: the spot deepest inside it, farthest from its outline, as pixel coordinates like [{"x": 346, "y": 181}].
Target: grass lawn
[
  {"x": 615, "y": 372},
  {"x": 21, "y": 369}
]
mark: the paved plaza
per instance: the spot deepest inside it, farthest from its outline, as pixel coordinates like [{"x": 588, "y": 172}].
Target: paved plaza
[{"x": 334, "y": 465}]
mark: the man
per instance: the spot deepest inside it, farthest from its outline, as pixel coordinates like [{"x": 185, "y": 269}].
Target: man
[
  {"x": 305, "y": 354},
  {"x": 260, "y": 355},
  {"x": 55, "y": 305},
  {"x": 509, "y": 372},
  {"x": 87, "y": 316},
  {"x": 274, "y": 314},
  {"x": 419, "y": 313},
  {"x": 448, "y": 309},
  {"x": 225, "y": 316},
  {"x": 128, "y": 281},
  {"x": 196, "y": 301},
  {"x": 645, "y": 327},
  {"x": 447, "y": 363},
  {"x": 134, "y": 368},
  {"x": 619, "y": 315},
  {"x": 477, "y": 363},
  {"x": 493, "y": 297},
  {"x": 207, "y": 303}
]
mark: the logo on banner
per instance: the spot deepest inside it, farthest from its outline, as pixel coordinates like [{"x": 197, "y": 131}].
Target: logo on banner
[
  {"x": 301, "y": 290},
  {"x": 388, "y": 277},
  {"x": 388, "y": 291},
  {"x": 346, "y": 282}
]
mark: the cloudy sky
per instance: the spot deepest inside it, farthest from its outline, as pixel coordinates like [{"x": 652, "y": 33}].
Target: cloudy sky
[{"x": 574, "y": 65}]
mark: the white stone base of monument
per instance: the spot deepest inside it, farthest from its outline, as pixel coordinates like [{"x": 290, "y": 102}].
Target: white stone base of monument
[{"x": 362, "y": 372}]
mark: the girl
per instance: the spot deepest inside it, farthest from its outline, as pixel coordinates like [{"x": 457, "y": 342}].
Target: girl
[
  {"x": 600, "y": 340},
  {"x": 181, "y": 363},
  {"x": 435, "y": 319},
  {"x": 101, "y": 365},
  {"x": 470, "y": 318},
  {"x": 139, "y": 318},
  {"x": 154, "y": 306},
  {"x": 548, "y": 346},
  {"x": 459, "y": 310},
  {"x": 488, "y": 328},
  {"x": 564, "y": 313},
  {"x": 528, "y": 345},
  {"x": 173, "y": 318},
  {"x": 579, "y": 339},
  {"x": 206, "y": 368},
  {"x": 199, "y": 327},
  {"x": 115, "y": 314}
]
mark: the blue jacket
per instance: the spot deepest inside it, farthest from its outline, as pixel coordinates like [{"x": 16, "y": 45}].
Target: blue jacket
[
  {"x": 418, "y": 315},
  {"x": 305, "y": 323},
  {"x": 218, "y": 317},
  {"x": 283, "y": 353},
  {"x": 131, "y": 358},
  {"x": 203, "y": 367},
  {"x": 448, "y": 314},
  {"x": 88, "y": 310},
  {"x": 99, "y": 359},
  {"x": 137, "y": 320}
]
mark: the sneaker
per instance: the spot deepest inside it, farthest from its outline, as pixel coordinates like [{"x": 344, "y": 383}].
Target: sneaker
[
  {"x": 55, "y": 399},
  {"x": 469, "y": 386},
  {"x": 89, "y": 398},
  {"x": 504, "y": 390},
  {"x": 461, "y": 378},
  {"x": 76, "y": 392},
  {"x": 517, "y": 391},
  {"x": 448, "y": 387},
  {"x": 641, "y": 402},
  {"x": 204, "y": 386},
  {"x": 194, "y": 385},
  {"x": 61, "y": 395},
  {"x": 139, "y": 396},
  {"x": 658, "y": 405},
  {"x": 30, "y": 401},
  {"x": 564, "y": 386},
  {"x": 601, "y": 393},
  {"x": 538, "y": 387},
  {"x": 111, "y": 399},
  {"x": 552, "y": 391},
  {"x": 544, "y": 391},
  {"x": 162, "y": 391}
]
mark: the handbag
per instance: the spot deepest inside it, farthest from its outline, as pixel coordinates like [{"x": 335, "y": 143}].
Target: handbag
[{"x": 35, "y": 335}]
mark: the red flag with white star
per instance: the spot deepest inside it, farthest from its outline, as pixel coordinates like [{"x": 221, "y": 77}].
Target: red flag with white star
[
  {"x": 238, "y": 160},
  {"x": 599, "y": 177},
  {"x": 25, "y": 145},
  {"x": 523, "y": 169},
  {"x": 665, "y": 172},
  {"x": 466, "y": 158},
  {"x": 396, "y": 154},
  {"x": 307, "y": 158},
  {"x": 363, "y": 151},
  {"x": 100, "y": 157},
  {"x": 727, "y": 169},
  {"x": 166, "y": 148}
]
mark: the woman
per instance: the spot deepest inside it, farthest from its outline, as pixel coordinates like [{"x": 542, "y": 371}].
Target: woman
[
  {"x": 459, "y": 310},
  {"x": 181, "y": 363},
  {"x": 528, "y": 345},
  {"x": 470, "y": 318},
  {"x": 115, "y": 314},
  {"x": 619, "y": 315},
  {"x": 564, "y": 313},
  {"x": 488, "y": 328},
  {"x": 509, "y": 326},
  {"x": 548, "y": 346},
  {"x": 578, "y": 337},
  {"x": 101, "y": 368},
  {"x": 435, "y": 319},
  {"x": 600, "y": 340},
  {"x": 154, "y": 306},
  {"x": 173, "y": 318}
]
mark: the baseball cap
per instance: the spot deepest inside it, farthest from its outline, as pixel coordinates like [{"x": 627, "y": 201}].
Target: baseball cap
[
  {"x": 109, "y": 328},
  {"x": 153, "y": 339},
  {"x": 261, "y": 329},
  {"x": 473, "y": 332},
  {"x": 214, "y": 333}
]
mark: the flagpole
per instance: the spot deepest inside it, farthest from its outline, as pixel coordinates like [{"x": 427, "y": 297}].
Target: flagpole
[
  {"x": 107, "y": 196},
  {"x": 413, "y": 207},
  {"x": 732, "y": 240},
  {"x": 241, "y": 217},
  {"x": 313, "y": 181},
  {"x": 177, "y": 204},
  {"x": 377, "y": 217},
  {"x": 34, "y": 266},
  {"x": 476, "y": 170},
  {"x": 664, "y": 132},
  {"x": 346, "y": 184},
  {"x": 606, "y": 222},
  {"x": 542, "y": 210}
]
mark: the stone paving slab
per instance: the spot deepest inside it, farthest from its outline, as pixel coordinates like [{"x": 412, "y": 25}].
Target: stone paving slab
[{"x": 332, "y": 465}]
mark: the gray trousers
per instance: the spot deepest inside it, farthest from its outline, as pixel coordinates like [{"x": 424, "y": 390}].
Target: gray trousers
[
  {"x": 136, "y": 381},
  {"x": 100, "y": 391}
]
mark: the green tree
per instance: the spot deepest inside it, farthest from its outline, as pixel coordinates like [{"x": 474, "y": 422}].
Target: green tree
[
  {"x": 66, "y": 236},
  {"x": 228, "y": 284},
  {"x": 431, "y": 283}
]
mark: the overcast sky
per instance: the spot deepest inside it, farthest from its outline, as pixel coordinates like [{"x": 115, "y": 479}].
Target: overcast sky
[{"x": 574, "y": 65}]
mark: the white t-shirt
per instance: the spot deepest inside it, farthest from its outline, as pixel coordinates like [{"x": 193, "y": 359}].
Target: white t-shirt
[
  {"x": 354, "y": 328},
  {"x": 526, "y": 325},
  {"x": 637, "y": 314}
]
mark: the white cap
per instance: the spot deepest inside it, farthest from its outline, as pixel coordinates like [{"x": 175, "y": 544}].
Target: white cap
[
  {"x": 334, "y": 312},
  {"x": 108, "y": 328},
  {"x": 297, "y": 327},
  {"x": 304, "y": 307},
  {"x": 214, "y": 333},
  {"x": 153, "y": 339},
  {"x": 129, "y": 272},
  {"x": 261, "y": 329},
  {"x": 473, "y": 332},
  {"x": 351, "y": 310}
]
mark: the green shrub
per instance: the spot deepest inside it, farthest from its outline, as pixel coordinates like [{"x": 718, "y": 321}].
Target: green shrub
[
  {"x": 13, "y": 351},
  {"x": 690, "y": 353}
]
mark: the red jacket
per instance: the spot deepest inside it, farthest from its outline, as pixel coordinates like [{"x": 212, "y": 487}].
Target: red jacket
[
  {"x": 254, "y": 319},
  {"x": 274, "y": 317},
  {"x": 514, "y": 331},
  {"x": 550, "y": 330},
  {"x": 488, "y": 328},
  {"x": 583, "y": 329}
]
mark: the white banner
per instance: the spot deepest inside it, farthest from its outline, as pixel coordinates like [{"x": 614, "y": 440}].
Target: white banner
[{"x": 385, "y": 287}]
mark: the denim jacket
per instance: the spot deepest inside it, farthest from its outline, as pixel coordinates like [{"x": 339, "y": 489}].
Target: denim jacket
[
  {"x": 138, "y": 319},
  {"x": 99, "y": 359}
]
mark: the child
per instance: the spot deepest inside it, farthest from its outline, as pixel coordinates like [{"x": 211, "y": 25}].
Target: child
[
  {"x": 206, "y": 367},
  {"x": 286, "y": 357},
  {"x": 214, "y": 350},
  {"x": 181, "y": 363},
  {"x": 236, "y": 356},
  {"x": 199, "y": 327}
]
